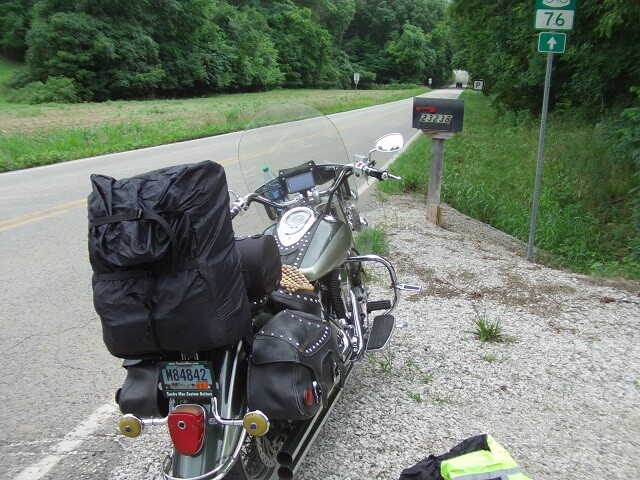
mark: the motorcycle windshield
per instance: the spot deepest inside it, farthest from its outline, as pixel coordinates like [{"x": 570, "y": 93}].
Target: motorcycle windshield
[{"x": 281, "y": 138}]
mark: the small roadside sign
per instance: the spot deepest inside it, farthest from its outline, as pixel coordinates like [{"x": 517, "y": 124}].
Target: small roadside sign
[
  {"x": 478, "y": 84},
  {"x": 552, "y": 42},
  {"x": 555, "y": 14}
]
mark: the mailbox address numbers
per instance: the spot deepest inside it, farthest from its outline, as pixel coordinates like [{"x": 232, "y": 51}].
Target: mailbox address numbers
[
  {"x": 438, "y": 114},
  {"x": 435, "y": 118}
]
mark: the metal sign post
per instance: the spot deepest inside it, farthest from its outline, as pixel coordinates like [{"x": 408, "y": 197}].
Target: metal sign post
[
  {"x": 356, "y": 79},
  {"x": 550, "y": 15},
  {"x": 543, "y": 131}
]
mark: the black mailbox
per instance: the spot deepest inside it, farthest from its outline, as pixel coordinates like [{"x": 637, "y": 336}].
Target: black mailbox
[{"x": 438, "y": 114}]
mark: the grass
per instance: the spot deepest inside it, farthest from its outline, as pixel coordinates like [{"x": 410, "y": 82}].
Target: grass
[
  {"x": 493, "y": 358},
  {"x": 488, "y": 330},
  {"x": 32, "y": 135},
  {"x": 415, "y": 369},
  {"x": 584, "y": 216},
  {"x": 385, "y": 362},
  {"x": 415, "y": 396},
  {"x": 372, "y": 240}
]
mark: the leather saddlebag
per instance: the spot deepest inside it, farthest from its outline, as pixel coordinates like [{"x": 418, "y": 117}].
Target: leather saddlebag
[
  {"x": 140, "y": 394},
  {"x": 294, "y": 365}
]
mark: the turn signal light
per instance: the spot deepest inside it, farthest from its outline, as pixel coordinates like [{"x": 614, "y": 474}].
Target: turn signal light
[
  {"x": 255, "y": 423},
  {"x": 130, "y": 426},
  {"x": 187, "y": 428}
]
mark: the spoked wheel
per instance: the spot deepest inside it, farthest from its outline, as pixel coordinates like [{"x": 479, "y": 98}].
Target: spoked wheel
[{"x": 258, "y": 454}]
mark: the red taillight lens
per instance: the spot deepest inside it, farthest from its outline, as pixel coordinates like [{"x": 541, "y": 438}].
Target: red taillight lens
[
  {"x": 308, "y": 397},
  {"x": 186, "y": 427}
]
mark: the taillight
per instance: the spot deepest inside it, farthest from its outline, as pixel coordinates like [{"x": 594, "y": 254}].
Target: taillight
[
  {"x": 313, "y": 394},
  {"x": 308, "y": 397},
  {"x": 187, "y": 427}
]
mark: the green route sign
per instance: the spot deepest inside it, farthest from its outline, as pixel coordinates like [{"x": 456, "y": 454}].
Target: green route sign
[
  {"x": 555, "y": 14},
  {"x": 552, "y": 42}
]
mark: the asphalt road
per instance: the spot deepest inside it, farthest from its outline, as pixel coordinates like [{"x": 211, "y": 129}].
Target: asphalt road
[{"x": 56, "y": 377}]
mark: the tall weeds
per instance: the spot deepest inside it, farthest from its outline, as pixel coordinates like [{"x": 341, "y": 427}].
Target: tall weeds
[{"x": 585, "y": 216}]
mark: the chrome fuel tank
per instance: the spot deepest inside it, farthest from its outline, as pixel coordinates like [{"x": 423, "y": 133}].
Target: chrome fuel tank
[{"x": 313, "y": 242}]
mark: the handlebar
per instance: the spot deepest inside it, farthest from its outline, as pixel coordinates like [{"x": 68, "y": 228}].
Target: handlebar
[
  {"x": 242, "y": 203},
  {"x": 373, "y": 172}
]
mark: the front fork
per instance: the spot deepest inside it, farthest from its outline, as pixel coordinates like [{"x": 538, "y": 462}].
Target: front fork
[{"x": 223, "y": 439}]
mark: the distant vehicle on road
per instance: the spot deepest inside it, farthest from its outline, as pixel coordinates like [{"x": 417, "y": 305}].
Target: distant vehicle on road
[{"x": 458, "y": 84}]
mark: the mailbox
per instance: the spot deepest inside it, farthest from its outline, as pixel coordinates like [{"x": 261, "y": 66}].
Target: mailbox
[{"x": 438, "y": 114}]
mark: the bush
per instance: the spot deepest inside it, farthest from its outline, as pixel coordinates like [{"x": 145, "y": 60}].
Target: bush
[
  {"x": 55, "y": 90},
  {"x": 628, "y": 136}
]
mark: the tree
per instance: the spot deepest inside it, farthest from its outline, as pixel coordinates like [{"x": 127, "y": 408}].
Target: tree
[
  {"x": 304, "y": 48},
  {"x": 378, "y": 33},
  {"x": 15, "y": 19},
  {"x": 335, "y": 16},
  {"x": 255, "y": 61},
  {"x": 120, "y": 49},
  {"x": 409, "y": 55},
  {"x": 495, "y": 41}
]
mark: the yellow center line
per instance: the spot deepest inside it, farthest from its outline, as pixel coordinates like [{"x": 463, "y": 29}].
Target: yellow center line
[
  {"x": 29, "y": 218},
  {"x": 12, "y": 223},
  {"x": 34, "y": 217}
]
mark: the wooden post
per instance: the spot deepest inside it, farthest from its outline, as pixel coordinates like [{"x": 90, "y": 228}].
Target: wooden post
[{"x": 434, "y": 211}]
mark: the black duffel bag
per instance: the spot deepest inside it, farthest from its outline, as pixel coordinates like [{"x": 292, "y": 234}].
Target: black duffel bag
[
  {"x": 261, "y": 265},
  {"x": 167, "y": 274},
  {"x": 294, "y": 365}
]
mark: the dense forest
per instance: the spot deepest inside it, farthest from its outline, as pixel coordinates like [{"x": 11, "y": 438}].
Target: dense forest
[
  {"x": 107, "y": 49},
  {"x": 496, "y": 41}
]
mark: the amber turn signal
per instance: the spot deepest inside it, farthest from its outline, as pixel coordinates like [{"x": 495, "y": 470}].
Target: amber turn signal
[
  {"x": 130, "y": 426},
  {"x": 256, "y": 423}
]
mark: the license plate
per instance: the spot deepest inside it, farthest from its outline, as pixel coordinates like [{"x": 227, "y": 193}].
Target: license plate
[{"x": 187, "y": 379}]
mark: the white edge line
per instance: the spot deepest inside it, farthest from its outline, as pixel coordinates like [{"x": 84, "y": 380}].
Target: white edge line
[{"x": 70, "y": 442}]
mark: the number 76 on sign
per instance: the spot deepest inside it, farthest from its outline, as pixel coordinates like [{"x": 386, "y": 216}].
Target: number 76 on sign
[{"x": 555, "y": 14}]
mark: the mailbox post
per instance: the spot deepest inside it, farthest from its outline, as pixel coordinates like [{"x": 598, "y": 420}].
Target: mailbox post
[{"x": 439, "y": 119}]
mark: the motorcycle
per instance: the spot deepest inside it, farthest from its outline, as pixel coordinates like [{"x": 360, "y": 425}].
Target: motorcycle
[{"x": 231, "y": 411}]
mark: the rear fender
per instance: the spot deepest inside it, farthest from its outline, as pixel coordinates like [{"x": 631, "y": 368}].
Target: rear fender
[{"x": 221, "y": 442}]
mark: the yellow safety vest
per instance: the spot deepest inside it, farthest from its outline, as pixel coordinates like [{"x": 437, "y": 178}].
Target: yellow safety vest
[{"x": 492, "y": 464}]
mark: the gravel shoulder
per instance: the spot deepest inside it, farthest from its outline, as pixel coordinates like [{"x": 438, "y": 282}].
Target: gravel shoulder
[{"x": 562, "y": 393}]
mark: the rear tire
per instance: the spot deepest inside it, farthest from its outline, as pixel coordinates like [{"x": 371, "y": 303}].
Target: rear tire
[{"x": 258, "y": 455}]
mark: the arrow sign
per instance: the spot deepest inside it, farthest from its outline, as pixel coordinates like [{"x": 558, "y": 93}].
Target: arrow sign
[{"x": 552, "y": 42}]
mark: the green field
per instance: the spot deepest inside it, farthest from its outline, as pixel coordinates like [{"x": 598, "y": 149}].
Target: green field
[{"x": 34, "y": 135}]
